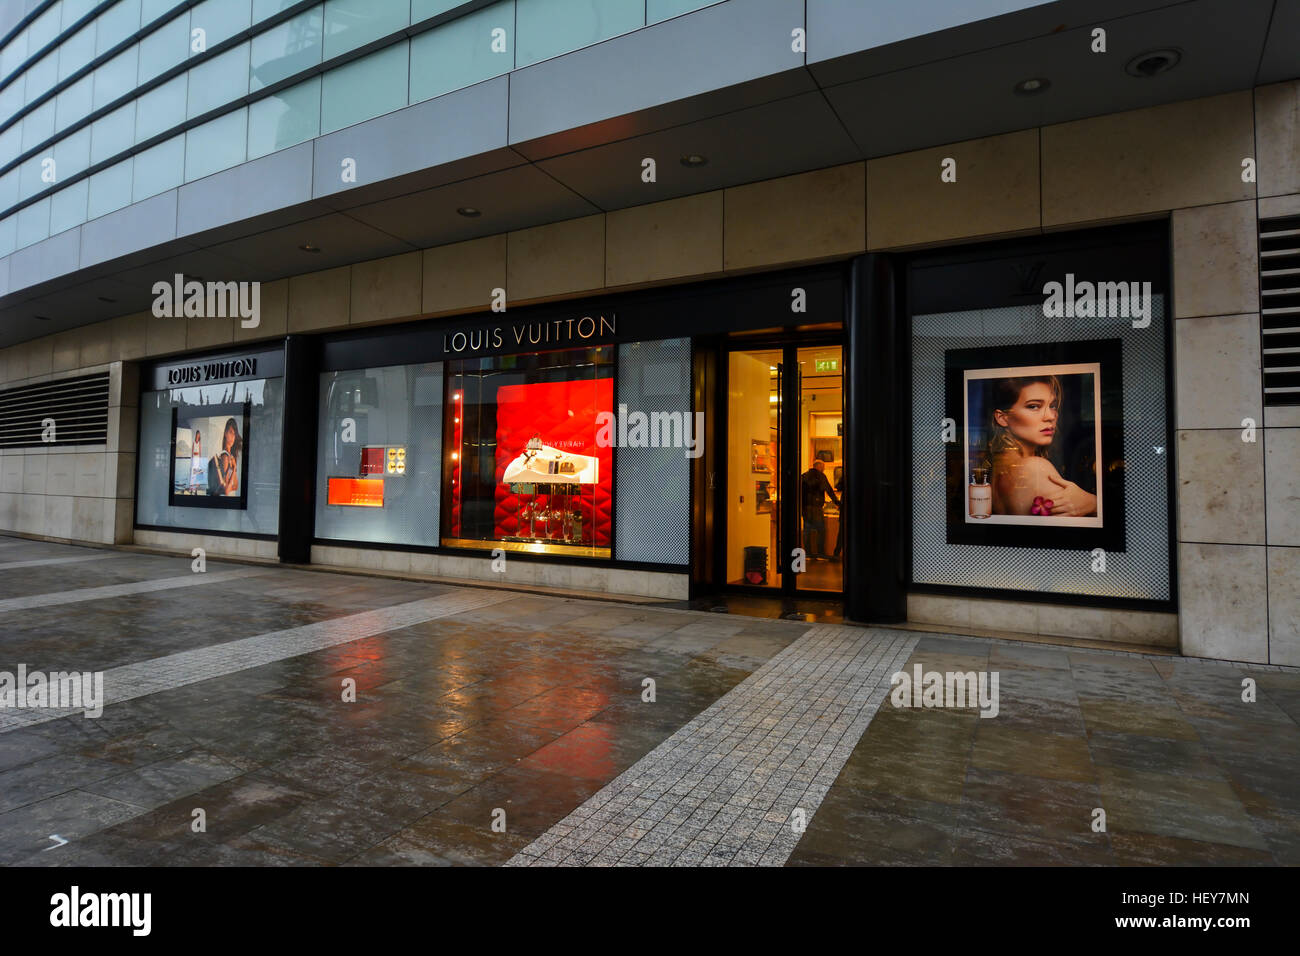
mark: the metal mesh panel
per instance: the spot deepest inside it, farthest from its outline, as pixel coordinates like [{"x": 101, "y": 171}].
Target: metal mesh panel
[
  {"x": 652, "y": 486},
  {"x": 1140, "y": 572}
]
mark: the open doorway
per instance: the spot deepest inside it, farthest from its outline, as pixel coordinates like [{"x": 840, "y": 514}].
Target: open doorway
[{"x": 784, "y": 469}]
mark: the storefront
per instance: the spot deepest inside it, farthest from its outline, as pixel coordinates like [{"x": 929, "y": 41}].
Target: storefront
[
  {"x": 990, "y": 422},
  {"x": 209, "y": 443},
  {"x": 577, "y": 435}
]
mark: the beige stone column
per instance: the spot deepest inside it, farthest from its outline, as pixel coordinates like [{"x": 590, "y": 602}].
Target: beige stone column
[
  {"x": 1223, "y": 599},
  {"x": 123, "y": 425}
]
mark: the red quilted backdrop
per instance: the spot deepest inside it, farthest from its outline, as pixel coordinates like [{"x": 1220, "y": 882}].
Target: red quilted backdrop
[{"x": 563, "y": 415}]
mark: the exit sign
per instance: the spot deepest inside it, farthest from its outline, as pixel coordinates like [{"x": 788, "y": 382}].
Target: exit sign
[{"x": 828, "y": 365}]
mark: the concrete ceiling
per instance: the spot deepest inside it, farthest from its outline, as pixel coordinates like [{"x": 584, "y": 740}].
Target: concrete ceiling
[{"x": 915, "y": 93}]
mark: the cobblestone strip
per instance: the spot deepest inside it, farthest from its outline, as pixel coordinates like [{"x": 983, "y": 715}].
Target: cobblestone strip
[
  {"x": 121, "y": 590},
  {"x": 40, "y": 562},
  {"x": 724, "y": 789},
  {"x": 176, "y": 670}
]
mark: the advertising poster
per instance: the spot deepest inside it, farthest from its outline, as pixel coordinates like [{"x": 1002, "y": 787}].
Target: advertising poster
[
  {"x": 1035, "y": 445},
  {"x": 209, "y": 456},
  {"x": 1032, "y": 437}
]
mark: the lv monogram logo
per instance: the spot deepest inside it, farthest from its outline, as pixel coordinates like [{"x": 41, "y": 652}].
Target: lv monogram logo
[{"x": 1028, "y": 274}]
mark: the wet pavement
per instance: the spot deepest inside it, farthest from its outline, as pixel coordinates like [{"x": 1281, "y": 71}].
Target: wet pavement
[
  {"x": 1185, "y": 770},
  {"x": 492, "y": 727}
]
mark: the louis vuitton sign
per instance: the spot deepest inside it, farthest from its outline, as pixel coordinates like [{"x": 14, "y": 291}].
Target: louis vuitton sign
[
  {"x": 490, "y": 340},
  {"x": 215, "y": 369}
]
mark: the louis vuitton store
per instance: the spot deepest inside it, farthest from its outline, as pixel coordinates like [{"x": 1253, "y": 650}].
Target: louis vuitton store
[
  {"x": 988, "y": 423},
  {"x": 565, "y": 445}
]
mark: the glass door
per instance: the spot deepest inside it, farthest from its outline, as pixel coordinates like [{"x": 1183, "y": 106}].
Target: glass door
[
  {"x": 784, "y": 469},
  {"x": 753, "y": 469},
  {"x": 820, "y": 452}
]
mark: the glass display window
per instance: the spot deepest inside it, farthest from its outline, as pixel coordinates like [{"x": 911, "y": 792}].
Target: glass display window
[
  {"x": 377, "y": 469},
  {"x": 523, "y": 469},
  {"x": 210, "y": 457},
  {"x": 1057, "y": 452}
]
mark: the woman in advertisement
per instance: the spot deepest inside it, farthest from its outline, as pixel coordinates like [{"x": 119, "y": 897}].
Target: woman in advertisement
[
  {"x": 196, "y": 464},
  {"x": 223, "y": 470},
  {"x": 1023, "y": 424}
]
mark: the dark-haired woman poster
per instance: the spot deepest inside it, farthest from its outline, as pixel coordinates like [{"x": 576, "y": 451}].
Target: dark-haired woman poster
[
  {"x": 1022, "y": 427},
  {"x": 223, "y": 469}
]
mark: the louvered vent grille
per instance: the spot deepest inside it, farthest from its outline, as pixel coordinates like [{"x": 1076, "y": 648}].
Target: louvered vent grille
[
  {"x": 78, "y": 407},
  {"x": 1279, "y": 288}
]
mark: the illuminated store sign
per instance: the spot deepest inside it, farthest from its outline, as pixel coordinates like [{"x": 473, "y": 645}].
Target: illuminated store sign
[{"x": 552, "y": 333}]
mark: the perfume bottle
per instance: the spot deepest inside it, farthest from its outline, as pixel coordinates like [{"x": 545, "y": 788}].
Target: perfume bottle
[{"x": 981, "y": 493}]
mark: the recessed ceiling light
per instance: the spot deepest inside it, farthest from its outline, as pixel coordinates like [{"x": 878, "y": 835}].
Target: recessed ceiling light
[
  {"x": 469, "y": 212},
  {"x": 1153, "y": 63},
  {"x": 309, "y": 247},
  {"x": 1033, "y": 85},
  {"x": 694, "y": 160}
]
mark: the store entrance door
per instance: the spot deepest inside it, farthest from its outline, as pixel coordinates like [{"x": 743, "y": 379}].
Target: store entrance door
[{"x": 784, "y": 470}]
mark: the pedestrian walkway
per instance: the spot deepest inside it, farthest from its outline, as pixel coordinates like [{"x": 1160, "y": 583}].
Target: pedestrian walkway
[
  {"x": 738, "y": 783},
  {"x": 318, "y": 718}
]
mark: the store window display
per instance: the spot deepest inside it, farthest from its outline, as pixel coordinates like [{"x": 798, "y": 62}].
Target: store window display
[
  {"x": 377, "y": 469},
  {"x": 523, "y": 467}
]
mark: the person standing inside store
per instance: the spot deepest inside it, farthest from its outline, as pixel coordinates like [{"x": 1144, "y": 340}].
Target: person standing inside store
[{"x": 815, "y": 489}]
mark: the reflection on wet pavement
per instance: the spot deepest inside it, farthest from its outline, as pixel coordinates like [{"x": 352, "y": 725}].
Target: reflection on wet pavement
[
  {"x": 513, "y": 702},
  {"x": 1187, "y": 772},
  {"x": 320, "y": 718}
]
